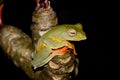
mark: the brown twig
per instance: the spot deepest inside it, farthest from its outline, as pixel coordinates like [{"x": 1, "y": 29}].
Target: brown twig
[{"x": 1, "y": 7}]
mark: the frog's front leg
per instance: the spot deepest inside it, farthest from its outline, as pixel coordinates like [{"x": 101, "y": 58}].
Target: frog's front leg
[{"x": 72, "y": 46}]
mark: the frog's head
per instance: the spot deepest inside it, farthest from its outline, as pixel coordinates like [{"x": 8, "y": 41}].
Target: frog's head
[{"x": 75, "y": 33}]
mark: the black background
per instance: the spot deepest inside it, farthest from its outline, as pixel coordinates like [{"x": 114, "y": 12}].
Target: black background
[{"x": 95, "y": 60}]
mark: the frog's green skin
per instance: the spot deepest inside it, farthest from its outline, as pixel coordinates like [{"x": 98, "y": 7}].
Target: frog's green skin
[{"x": 56, "y": 38}]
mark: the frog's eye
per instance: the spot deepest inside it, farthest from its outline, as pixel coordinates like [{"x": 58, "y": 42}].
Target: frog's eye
[{"x": 71, "y": 32}]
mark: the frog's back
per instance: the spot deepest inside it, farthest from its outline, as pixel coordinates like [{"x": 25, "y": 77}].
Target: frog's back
[{"x": 55, "y": 31}]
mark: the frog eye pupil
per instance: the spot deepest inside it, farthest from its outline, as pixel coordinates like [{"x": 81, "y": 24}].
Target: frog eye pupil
[{"x": 71, "y": 32}]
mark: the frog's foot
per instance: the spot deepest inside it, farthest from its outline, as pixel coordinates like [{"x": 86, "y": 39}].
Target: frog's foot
[{"x": 62, "y": 50}]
